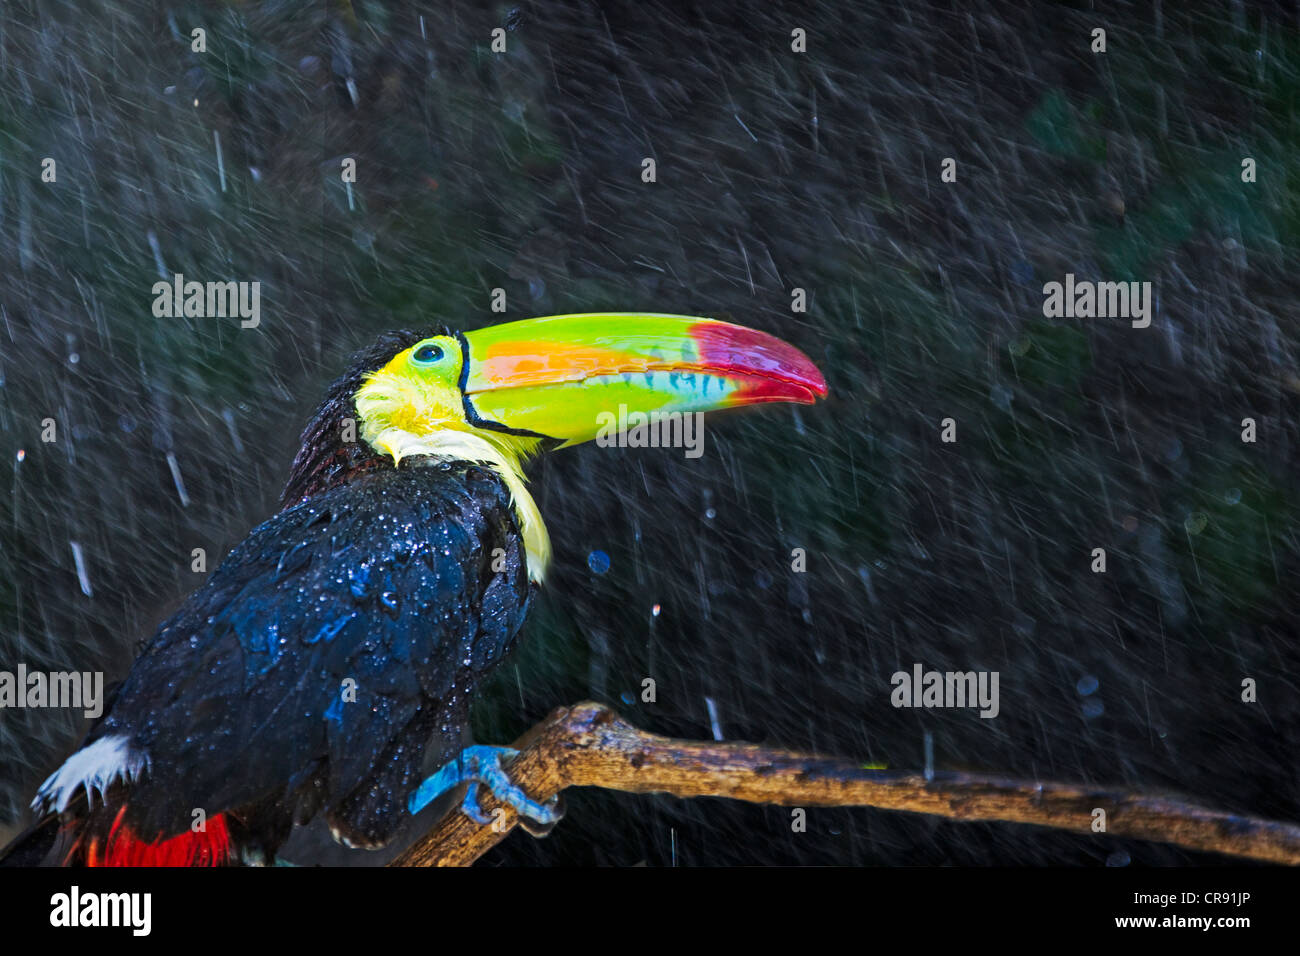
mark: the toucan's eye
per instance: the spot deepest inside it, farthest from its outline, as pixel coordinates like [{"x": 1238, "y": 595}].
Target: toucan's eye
[{"x": 427, "y": 354}]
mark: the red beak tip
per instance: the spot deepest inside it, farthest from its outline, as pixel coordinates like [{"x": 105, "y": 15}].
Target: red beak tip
[
  {"x": 734, "y": 348},
  {"x": 810, "y": 377}
]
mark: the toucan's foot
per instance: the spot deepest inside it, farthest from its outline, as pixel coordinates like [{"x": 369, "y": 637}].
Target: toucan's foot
[
  {"x": 482, "y": 766},
  {"x": 470, "y": 807}
]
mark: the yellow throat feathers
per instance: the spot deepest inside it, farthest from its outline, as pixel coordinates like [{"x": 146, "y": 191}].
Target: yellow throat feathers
[{"x": 403, "y": 417}]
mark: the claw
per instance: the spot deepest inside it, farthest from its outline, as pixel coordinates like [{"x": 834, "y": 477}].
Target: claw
[
  {"x": 482, "y": 765},
  {"x": 539, "y": 829},
  {"x": 470, "y": 806}
]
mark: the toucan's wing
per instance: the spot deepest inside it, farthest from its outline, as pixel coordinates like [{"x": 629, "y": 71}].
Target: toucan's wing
[{"x": 314, "y": 662}]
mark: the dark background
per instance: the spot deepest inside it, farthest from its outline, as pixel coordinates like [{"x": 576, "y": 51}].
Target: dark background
[{"x": 776, "y": 170}]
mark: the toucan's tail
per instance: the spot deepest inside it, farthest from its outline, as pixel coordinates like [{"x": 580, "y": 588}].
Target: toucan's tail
[
  {"x": 34, "y": 846},
  {"x": 77, "y": 843},
  {"x": 121, "y": 846}
]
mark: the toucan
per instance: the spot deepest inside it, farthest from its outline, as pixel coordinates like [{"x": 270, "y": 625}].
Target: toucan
[{"x": 332, "y": 657}]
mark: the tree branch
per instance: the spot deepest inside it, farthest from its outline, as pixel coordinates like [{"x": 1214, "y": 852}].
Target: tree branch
[{"x": 589, "y": 745}]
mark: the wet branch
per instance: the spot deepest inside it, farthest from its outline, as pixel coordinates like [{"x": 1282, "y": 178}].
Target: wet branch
[{"x": 589, "y": 745}]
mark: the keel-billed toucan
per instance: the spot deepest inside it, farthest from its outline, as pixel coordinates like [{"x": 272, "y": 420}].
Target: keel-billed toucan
[{"x": 344, "y": 638}]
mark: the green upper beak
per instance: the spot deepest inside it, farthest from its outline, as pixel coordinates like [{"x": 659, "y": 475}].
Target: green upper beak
[{"x": 561, "y": 376}]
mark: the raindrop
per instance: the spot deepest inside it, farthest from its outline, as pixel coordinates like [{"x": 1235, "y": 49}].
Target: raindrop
[
  {"x": 1087, "y": 684},
  {"x": 22, "y": 454},
  {"x": 177, "y": 480},
  {"x": 627, "y": 698},
  {"x": 598, "y": 561},
  {"x": 1174, "y": 451},
  {"x": 1118, "y": 858},
  {"x": 79, "y": 559},
  {"x": 1001, "y": 397},
  {"x": 74, "y": 358},
  {"x": 536, "y": 288},
  {"x": 1196, "y": 522},
  {"x": 1023, "y": 624},
  {"x": 711, "y": 513},
  {"x": 654, "y": 611},
  {"x": 1093, "y": 708},
  {"x": 1232, "y": 496},
  {"x": 763, "y": 579}
]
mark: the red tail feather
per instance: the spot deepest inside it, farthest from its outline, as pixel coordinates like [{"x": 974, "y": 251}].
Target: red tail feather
[{"x": 210, "y": 847}]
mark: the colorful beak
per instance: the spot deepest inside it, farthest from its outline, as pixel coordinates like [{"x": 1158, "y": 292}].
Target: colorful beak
[{"x": 561, "y": 375}]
